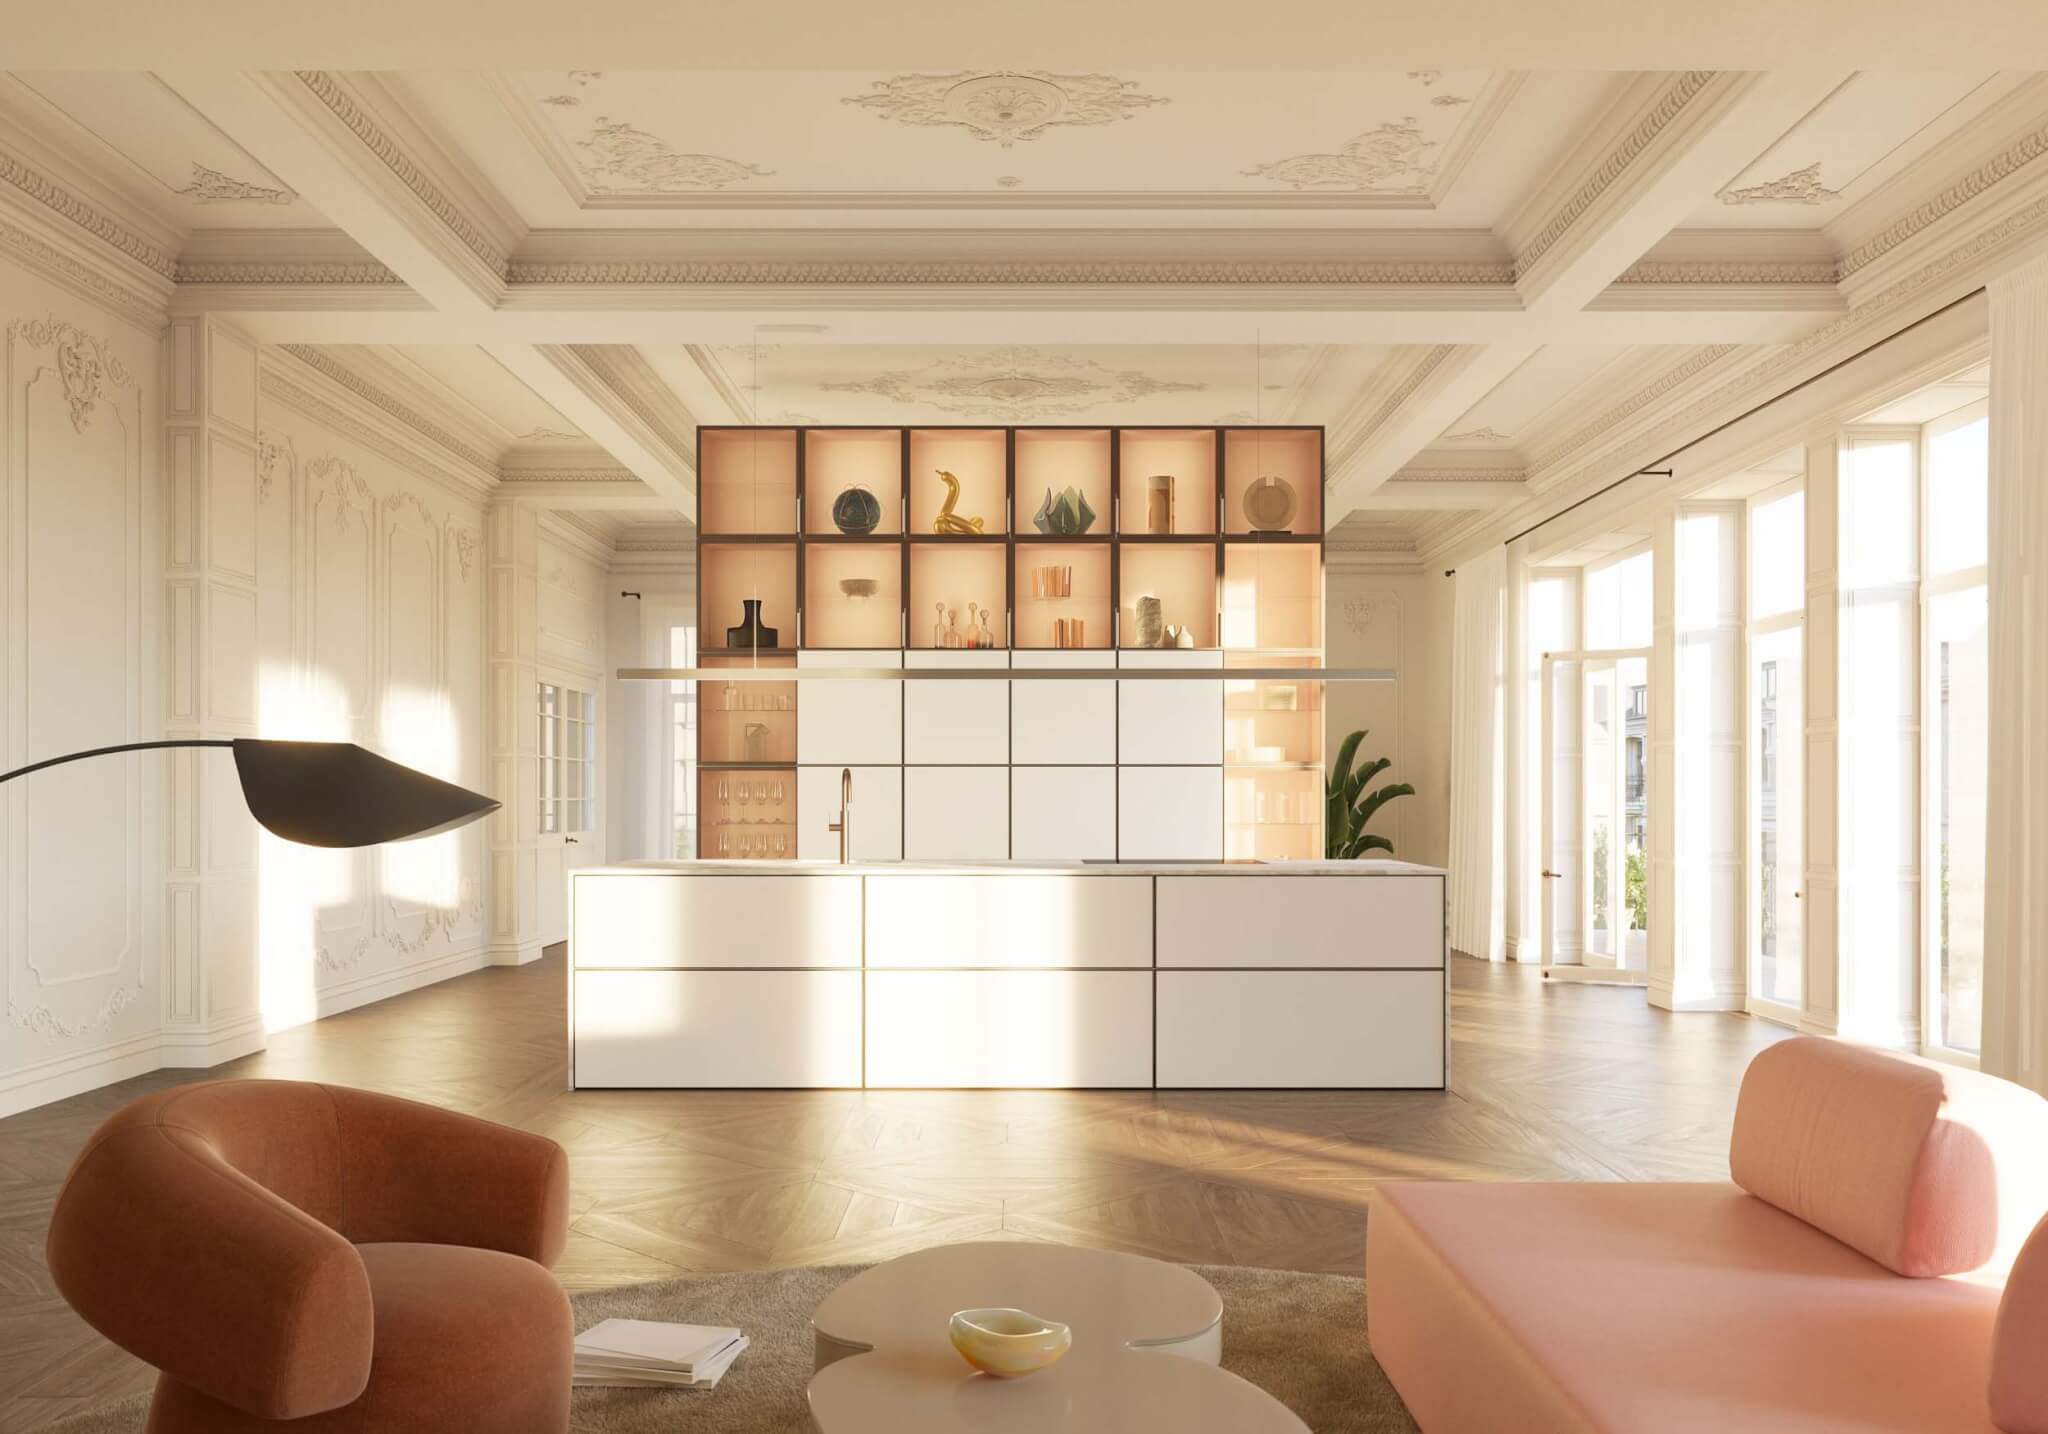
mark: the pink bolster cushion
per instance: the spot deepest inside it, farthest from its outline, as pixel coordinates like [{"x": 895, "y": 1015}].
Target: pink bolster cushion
[
  {"x": 2019, "y": 1343},
  {"x": 1928, "y": 1169}
]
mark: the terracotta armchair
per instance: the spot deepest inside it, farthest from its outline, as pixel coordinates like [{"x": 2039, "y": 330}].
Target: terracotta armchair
[{"x": 346, "y": 1261}]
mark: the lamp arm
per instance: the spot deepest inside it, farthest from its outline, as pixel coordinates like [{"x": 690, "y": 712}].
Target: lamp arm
[{"x": 124, "y": 747}]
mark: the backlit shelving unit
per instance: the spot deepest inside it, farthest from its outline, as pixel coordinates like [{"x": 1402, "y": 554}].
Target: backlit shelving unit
[{"x": 1012, "y": 768}]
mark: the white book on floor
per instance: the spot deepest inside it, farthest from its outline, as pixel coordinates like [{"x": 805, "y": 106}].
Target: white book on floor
[
  {"x": 595, "y": 1370},
  {"x": 655, "y": 1344}
]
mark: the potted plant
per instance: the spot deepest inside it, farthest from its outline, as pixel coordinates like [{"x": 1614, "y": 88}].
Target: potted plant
[{"x": 1350, "y": 806}]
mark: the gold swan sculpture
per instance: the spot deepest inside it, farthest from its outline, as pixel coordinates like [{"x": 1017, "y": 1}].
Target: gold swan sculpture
[{"x": 948, "y": 521}]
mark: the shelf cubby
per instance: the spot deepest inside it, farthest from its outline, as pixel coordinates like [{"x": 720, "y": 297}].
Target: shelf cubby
[
  {"x": 1187, "y": 456},
  {"x": 1181, "y": 575},
  {"x": 837, "y": 617},
  {"x": 1272, "y": 596},
  {"x": 1083, "y": 570},
  {"x": 836, "y": 459},
  {"x": 730, "y": 573},
  {"x": 1292, "y": 455},
  {"x": 952, "y": 573},
  {"x": 1051, "y": 460},
  {"x": 746, "y": 722},
  {"x": 746, "y": 481},
  {"x": 747, "y": 813},
  {"x": 1272, "y": 815},
  {"x": 979, "y": 458}
]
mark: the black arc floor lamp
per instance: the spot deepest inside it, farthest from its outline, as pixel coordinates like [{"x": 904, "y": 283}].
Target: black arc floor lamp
[{"x": 332, "y": 794}]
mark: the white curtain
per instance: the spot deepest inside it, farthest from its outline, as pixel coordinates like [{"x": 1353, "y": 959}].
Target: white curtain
[
  {"x": 1478, "y": 829},
  {"x": 2016, "y": 852}
]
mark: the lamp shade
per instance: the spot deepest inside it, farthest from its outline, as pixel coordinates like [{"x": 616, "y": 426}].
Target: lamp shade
[{"x": 338, "y": 794}]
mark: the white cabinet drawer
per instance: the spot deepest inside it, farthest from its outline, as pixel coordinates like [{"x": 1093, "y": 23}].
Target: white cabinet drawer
[
  {"x": 1342, "y": 921},
  {"x": 956, "y": 813},
  {"x": 1169, "y": 722},
  {"x": 1169, "y": 814},
  {"x": 953, "y": 720},
  {"x": 877, "y": 813},
  {"x": 1063, "y": 722},
  {"x": 1301, "y": 1029},
  {"x": 1063, "y": 813},
  {"x": 717, "y": 1028},
  {"x": 1009, "y": 1028},
  {"x": 659, "y": 919},
  {"x": 849, "y": 722},
  {"x": 1025, "y": 920}
]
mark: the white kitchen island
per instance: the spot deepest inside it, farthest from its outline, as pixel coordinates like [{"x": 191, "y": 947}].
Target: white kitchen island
[{"x": 906, "y": 974}]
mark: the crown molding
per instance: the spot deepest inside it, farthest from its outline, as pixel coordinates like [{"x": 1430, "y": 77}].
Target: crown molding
[
  {"x": 1542, "y": 463},
  {"x": 59, "y": 263},
  {"x": 1650, "y": 120},
  {"x": 613, "y": 474},
  {"x": 425, "y": 425},
  {"x": 341, "y": 98},
  {"x": 1449, "y": 474},
  {"x": 2019, "y": 158},
  {"x": 260, "y": 273},
  {"x": 1008, "y": 273},
  {"x": 32, "y": 186},
  {"x": 1746, "y": 273},
  {"x": 1351, "y": 433},
  {"x": 626, "y": 377},
  {"x": 580, "y": 534},
  {"x": 316, "y": 396}
]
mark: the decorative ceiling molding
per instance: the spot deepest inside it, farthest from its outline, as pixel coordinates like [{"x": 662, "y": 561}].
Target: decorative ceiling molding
[
  {"x": 1431, "y": 360},
  {"x": 1684, "y": 372},
  {"x": 1476, "y": 435},
  {"x": 621, "y": 159},
  {"x": 629, "y": 382},
  {"x": 296, "y": 273},
  {"x": 1676, "y": 96},
  {"x": 210, "y": 186},
  {"x": 62, "y": 267},
  {"x": 1392, "y": 156},
  {"x": 1004, "y": 107},
  {"x": 1018, "y": 384},
  {"x": 550, "y": 435},
  {"x": 275, "y": 384},
  {"x": 1461, "y": 475},
  {"x": 420, "y": 423},
  {"x": 613, "y": 474},
  {"x": 343, "y": 105},
  {"x": 1801, "y": 186},
  {"x": 60, "y": 201},
  {"x": 1986, "y": 176},
  {"x": 1745, "y": 273},
  {"x": 1024, "y": 272}
]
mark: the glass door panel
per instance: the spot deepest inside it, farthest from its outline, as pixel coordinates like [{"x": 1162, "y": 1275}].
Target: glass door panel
[
  {"x": 1778, "y": 831},
  {"x": 1602, "y": 759}
]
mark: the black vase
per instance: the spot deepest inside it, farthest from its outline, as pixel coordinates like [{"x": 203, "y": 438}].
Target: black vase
[
  {"x": 751, "y": 632},
  {"x": 856, "y": 512}
]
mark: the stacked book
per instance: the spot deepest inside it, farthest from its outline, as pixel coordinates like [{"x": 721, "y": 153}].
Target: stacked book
[{"x": 649, "y": 1354}]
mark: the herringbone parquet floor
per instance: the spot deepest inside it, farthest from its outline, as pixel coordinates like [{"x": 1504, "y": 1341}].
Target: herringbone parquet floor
[{"x": 1580, "y": 1083}]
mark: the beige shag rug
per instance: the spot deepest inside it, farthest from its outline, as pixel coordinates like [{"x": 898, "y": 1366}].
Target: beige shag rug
[{"x": 1299, "y": 1337}]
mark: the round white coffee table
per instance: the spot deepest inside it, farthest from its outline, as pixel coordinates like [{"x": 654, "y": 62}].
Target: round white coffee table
[{"x": 1147, "y": 1336}]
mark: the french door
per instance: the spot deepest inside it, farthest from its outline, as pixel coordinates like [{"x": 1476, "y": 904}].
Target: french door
[{"x": 1595, "y": 815}]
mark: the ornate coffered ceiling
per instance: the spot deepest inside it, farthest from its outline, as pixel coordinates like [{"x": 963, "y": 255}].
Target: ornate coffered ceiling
[{"x": 1487, "y": 284}]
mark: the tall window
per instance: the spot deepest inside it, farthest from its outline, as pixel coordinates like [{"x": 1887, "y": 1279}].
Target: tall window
[
  {"x": 1777, "y": 635},
  {"x": 1954, "y": 665},
  {"x": 568, "y": 757}
]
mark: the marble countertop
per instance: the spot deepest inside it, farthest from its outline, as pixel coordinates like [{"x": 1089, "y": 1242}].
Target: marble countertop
[{"x": 1021, "y": 868}]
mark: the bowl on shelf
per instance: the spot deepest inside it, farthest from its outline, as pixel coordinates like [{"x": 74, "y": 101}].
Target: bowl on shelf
[
  {"x": 858, "y": 587},
  {"x": 1269, "y": 505},
  {"x": 1008, "y": 1343}
]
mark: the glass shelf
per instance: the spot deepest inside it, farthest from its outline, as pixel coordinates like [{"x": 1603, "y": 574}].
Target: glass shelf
[
  {"x": 839, "y": 459},
  {"x": 1166, "y": 482},
  {"x": 979, "y": 458},
  {"x": 1292, "y": 456},
  {"x": 746, "y": 481},
  {"x": 1181, "y": 575}
]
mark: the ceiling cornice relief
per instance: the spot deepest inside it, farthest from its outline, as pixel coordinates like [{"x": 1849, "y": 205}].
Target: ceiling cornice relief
[
  {"x": 618, "y": 378},
  {"x": 1018, "y": 384},
  {"x": 1433, "y": 473},
  {"x": 1985, "y": 195},
  {"x": 58, "y": 259},
  {"x": 284, "y": 258},
  {"x": 420, "y": 440},
  {"x": 1376, "y": 407},
  {"x": 1588, "y": 180},
  {"x": 1611, "y": 422},
  {"x": 42, "y": 194},
  {"x": 410, "y": 163}
]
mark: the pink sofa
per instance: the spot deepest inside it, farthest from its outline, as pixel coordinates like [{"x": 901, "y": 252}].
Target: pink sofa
[{"x": 1863, "y": 1271}]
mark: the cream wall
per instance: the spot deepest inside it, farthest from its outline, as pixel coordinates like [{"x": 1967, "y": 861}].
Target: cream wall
[
  {"x": 80, "y": 612},
  {"x": 1399, "y": 619}
]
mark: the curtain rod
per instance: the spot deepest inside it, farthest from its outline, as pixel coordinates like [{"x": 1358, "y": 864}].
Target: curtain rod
[
  {"x": 1005, "y": 674},
  {"x": 1653, "y": 470}
]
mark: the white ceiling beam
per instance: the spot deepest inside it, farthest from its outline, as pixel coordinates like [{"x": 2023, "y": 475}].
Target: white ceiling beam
[
  {"x": 583, "y": 494},
  {"x": 392, "y": 210},
  {"x": 580, "y": 394}
]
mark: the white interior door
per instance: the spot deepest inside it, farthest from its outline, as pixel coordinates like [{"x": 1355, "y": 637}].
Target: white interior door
[{"x": 570, "y": 743}]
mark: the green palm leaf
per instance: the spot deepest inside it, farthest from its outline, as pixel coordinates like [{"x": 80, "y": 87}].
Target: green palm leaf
[{"x": 1350, "y": 803}]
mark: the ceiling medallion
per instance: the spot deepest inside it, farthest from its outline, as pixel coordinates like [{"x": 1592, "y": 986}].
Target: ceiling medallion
[
  {"x": 1801, "y": 186},
  {"x": 623, "y": 160},
  {"x": 1004, "y": 106},
  {"x": 1392, "y": 157},
  {"x": 1017, "y": 384}
]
